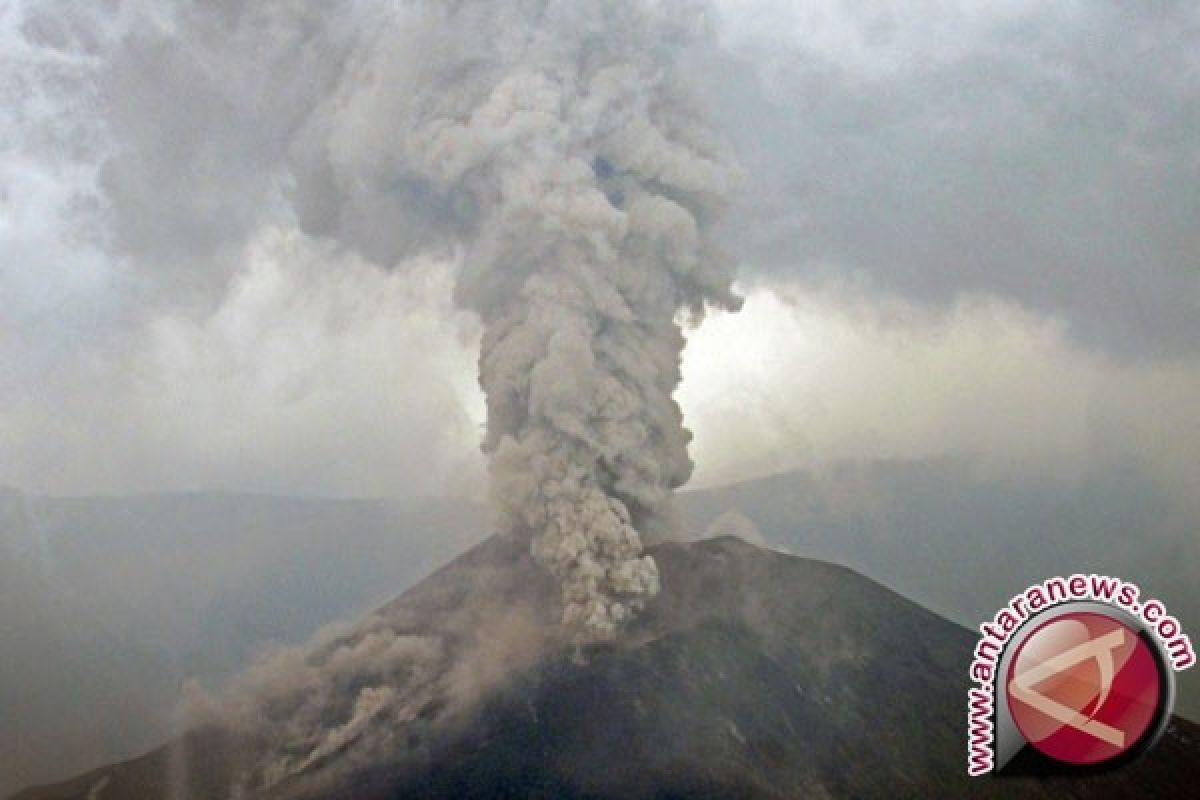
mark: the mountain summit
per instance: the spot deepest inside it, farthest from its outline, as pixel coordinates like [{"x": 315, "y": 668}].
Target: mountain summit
[{"x": 752, "y": 674}]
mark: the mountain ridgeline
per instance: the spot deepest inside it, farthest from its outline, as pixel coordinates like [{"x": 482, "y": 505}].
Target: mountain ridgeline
[{"x": 752, "y": 674}]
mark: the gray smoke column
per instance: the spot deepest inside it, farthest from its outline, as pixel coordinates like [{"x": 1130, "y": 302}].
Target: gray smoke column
[
  {"x": 550, "y": 146},
  {"x": 545, "y": 148}
]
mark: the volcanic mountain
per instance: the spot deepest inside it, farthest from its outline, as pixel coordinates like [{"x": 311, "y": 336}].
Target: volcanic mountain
[{"x": 753, "y": 674}]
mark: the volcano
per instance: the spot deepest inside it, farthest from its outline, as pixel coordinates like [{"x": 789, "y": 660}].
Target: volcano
[{"x": 752, "y": 674}]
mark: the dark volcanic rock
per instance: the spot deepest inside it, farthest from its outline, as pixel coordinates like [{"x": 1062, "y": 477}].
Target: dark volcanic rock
[{"x": 754, "y": 674}]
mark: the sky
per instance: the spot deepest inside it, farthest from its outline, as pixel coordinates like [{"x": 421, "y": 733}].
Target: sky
[{"x": 962, "y": 228}]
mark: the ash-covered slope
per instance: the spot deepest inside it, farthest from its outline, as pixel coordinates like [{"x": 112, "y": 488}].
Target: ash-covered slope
[{"x": 753, "y": 674}]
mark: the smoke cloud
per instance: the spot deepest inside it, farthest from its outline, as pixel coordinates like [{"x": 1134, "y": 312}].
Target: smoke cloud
[
  {"x": 551, "y": 146},
  {"x": 389, "y": 686},
  {"x": 545, "y": 150}
]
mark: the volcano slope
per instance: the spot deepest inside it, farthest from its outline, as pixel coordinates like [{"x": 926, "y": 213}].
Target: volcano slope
[{"x": 753, "y": 674}]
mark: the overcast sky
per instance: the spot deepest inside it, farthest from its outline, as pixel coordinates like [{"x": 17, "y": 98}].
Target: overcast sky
[{"x": 964, "y": 227}]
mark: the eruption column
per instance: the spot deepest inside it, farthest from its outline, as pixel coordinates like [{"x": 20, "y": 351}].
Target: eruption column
[{"x": 550, "y": 143}]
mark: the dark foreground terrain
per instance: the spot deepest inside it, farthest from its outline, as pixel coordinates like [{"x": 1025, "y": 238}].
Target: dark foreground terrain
[
  {"x": 109, "y": 604},
  {"x": 754, "y": 674}
]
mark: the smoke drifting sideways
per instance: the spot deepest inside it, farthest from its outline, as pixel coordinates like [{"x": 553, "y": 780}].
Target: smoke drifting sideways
[{"x": 551, "y": 147}]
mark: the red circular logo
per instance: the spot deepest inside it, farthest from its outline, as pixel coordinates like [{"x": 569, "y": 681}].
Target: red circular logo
[{"x": 1084, "y": 688}]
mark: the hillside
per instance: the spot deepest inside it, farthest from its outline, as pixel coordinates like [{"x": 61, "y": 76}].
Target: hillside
[
  {"x": 147, "y": 591},
  {"x": 754, "y": 674}
]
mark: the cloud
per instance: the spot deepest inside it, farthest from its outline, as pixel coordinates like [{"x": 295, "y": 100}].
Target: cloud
[
  {"x": 1042, "y": 153},
  {"x": 805, "y": 379},
  {"x": 306, "y": 378},
  {"x": 166, "y": 326}
]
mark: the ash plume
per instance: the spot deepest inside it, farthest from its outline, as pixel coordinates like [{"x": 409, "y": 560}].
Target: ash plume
[
  {"x": 550, "y": 146},
  {"x": 545, "y": 149}
]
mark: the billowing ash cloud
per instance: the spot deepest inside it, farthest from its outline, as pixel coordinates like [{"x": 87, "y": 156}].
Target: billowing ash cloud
[
  {"x": 551, "y": 145},
  {"x": 545, "y": 147},
  {"x": 387, "y": 688}
]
